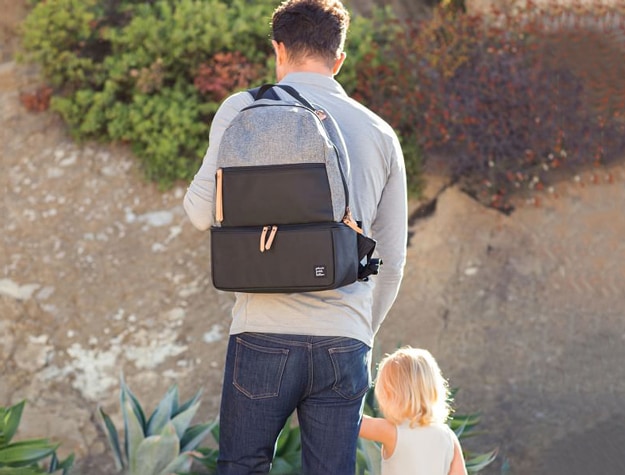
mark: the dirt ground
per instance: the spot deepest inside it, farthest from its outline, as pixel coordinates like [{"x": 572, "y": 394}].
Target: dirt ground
[{"x": 102, "y": 273}]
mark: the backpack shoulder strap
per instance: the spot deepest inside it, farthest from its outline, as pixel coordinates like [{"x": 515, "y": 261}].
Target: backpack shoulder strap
[{"x": 267, "y": 91}]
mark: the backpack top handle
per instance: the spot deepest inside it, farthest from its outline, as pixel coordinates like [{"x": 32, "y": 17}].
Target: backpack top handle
[{"x": 266, "y": 91}]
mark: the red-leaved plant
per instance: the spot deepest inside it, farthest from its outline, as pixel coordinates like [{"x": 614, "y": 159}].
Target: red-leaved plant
[{"x": 506, "y": 98}]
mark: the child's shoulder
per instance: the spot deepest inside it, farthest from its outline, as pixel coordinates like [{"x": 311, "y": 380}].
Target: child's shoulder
[
  {"x": 433, "y": 426},
  {"x": 441, "y": 427},
  {"x": 433, "y": 430}
]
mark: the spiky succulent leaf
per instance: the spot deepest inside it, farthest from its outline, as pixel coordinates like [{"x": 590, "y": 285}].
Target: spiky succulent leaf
[
  {"x": 463, "y": 424},
  {"x": 215, "y": 431},
  {"x": 182, "y": 463},
  {"x": 134, "y": 432},
  {"x": 3, "y": 411},
  {"x": 162, "y": 415},
  {"x": 176, "y": 398},
  {"x": 127, "y": 395},
  {"x": 113, "y": 438},
  {"x": 362, "y": 463},
  {"x": 9, "y": 422},
  {"x": 289, "y": 439},
  {"x": 21, "y": 471},
  {"x": 207, "y": 457},
  {"x": 27, "y": 452},
  {"x": 65, "y": 465},
  {"x": 187, "y": 404},
  {"x": 370, "y": 453},
  {"x": 156, "y": 452},
  {"x": 54, "y": 463},
  {"x": 282, "y": 467},
  {"x": 183, "y": 419},
  {"x": 194, "y": 435},
  {"x": 475, "y": 463}
]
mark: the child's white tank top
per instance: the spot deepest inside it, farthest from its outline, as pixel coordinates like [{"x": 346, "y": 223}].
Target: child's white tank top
[{"x": 423, "y": 450}]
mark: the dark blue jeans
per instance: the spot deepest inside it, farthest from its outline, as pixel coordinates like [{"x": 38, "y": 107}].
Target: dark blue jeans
[{"x": 268, "y": 376}]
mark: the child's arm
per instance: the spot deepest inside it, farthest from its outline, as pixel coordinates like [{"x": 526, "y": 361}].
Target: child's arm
[
  {"x": 379, "y": 430},
  {"x": 457, "y": 463}
]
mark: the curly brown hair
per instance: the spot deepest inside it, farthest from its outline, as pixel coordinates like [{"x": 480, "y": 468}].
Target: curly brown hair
[{"x": 311, "y": 28}]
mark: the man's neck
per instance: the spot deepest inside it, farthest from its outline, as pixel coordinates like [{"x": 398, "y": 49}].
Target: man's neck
[
  {"x": 309, "y": 64},
  {"x": 308, "y": 67}
]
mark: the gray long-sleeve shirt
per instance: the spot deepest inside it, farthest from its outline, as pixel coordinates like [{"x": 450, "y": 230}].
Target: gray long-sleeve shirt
[{"x": 377, "y": 185}]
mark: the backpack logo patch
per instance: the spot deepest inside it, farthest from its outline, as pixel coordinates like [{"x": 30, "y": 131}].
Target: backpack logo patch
[{"x": 321, "y": 271}]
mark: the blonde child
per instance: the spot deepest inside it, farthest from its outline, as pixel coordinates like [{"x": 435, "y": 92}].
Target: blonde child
[{"x": 412, "y": 395}]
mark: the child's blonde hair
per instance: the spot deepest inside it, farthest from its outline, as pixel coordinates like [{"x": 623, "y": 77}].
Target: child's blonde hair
[{"x": 410, "y": 387}]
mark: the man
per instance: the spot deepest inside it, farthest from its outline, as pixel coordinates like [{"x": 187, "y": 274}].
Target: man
[{"x": 310, "y": 352}]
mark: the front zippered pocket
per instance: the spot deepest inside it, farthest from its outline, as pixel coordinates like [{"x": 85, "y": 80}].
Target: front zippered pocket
[
  {"x": 276, "y": 194},
  {"x": 290, "y": 258}
]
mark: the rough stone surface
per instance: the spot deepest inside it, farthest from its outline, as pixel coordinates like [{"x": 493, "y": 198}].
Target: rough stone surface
[
  {"x": 102, "y": 273},
  {"x": 525, "y": 314}
]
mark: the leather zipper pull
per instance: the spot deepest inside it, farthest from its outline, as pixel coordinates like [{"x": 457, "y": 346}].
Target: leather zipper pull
[
  {"x": 219, "y": 202},
  {"x": 263, "y": 235},
  {"x": 272, "y": 235},
  {"x": 349, "y": 221}
]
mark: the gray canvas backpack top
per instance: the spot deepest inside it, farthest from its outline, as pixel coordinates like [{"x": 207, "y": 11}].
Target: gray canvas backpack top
[
  {"x": 283, "y": 222},
  {"x": 274, "y": 131}
]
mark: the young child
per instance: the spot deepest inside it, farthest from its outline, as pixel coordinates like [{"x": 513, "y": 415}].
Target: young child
[{"x": 412, "y": 395}]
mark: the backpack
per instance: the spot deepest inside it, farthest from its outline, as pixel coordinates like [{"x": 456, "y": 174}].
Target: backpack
[{"x": 283, "y": 222}]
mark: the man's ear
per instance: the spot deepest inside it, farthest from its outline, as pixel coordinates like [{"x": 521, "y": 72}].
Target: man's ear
[
  {"x": 280, "y": 51},
  {"x": 338, "y": 63}
]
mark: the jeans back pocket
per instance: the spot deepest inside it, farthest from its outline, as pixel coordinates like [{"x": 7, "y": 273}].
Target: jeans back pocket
[
  {"x": 351, "y": 370},
  {"x": 258, "y": 370}
]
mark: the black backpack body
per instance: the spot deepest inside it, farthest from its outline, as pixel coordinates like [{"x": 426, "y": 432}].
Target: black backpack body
[{"x": 283, "y": 222}]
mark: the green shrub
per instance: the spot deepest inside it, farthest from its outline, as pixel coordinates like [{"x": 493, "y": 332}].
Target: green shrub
[
  {"x": 58, "y": 35},
  {"x": 152, "y": 74},
  {"x": 131, "y": 71},
  {"x": 489, "y": 93}
]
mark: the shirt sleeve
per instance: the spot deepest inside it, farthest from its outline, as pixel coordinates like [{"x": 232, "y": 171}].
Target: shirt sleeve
[
  {"x": 390, "y": 230},
  {"x": 198, "y": 201}
]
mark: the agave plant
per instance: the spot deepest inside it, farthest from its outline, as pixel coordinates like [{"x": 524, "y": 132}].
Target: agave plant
[
  {"x": 464, "y": 425},
  {"x": 24, "y": 457},
  {"x": 161, "y": 444},
  {"x": 368, "y": 458},
  {"x": 287, "y": 459}
]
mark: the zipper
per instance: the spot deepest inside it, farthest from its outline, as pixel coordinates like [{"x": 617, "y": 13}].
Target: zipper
[
  {"x": 283, "y": 227},
  {"x": 300, "y": 106},
  {"x": 271, "y": 168}
]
